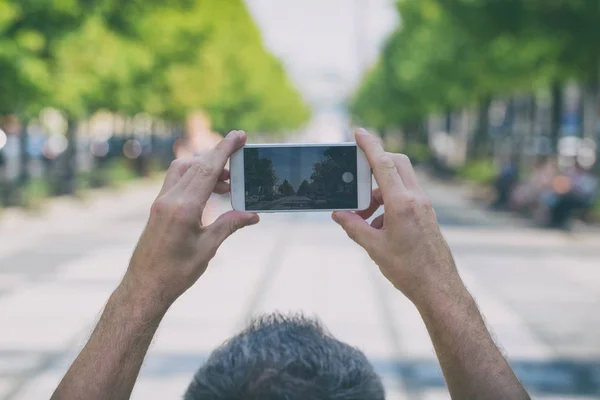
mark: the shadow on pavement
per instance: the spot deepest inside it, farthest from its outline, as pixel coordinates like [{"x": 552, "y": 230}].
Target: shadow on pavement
[{"x": 558, "y": 376}]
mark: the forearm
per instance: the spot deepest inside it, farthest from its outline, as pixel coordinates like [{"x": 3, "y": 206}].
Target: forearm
[
  {"x": 473, "y": 365},
  {"x": 108, "y": 366}
]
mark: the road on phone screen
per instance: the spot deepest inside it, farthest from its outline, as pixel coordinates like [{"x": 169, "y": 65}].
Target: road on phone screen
[{"x": 538, "y": 290}]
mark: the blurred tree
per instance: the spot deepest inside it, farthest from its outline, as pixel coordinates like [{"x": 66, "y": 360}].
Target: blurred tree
[
  {"x": 433, "y": 64},
  {"x": 24, "y": 83},
  {"x": 567, "y": 29},
  {"x": 210, "y": 56},
  {"x": 165, "y": 58}
]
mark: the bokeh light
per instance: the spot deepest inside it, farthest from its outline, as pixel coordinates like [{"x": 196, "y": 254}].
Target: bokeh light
[
  {"x": 99, "y": 148},
  {"x": 3, "y": 139},
  {"x": 55, "y": 146},
  {"x": 132, "y": 149}
]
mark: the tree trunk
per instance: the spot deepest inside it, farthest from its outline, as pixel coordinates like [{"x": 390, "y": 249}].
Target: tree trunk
[
  {"x": 479, "y": 145},
  {"x": 423, "y": 132},
  {"x": 556, "y": 117},
  {"x": 590, "y": 102},
  {"x": 532, "y": 115},
  {"x": 591, "y": 125},
  {"x": 24, "y": 155},
  {"x": 4, "y": 189},
  {"x": 154, "y": 147},
  {"x": 449, "y": 122},
  {"x": 69, "y": 184}
]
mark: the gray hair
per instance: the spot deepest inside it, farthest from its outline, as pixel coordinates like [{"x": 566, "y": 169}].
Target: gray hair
[{"x": 285, "y": 358}]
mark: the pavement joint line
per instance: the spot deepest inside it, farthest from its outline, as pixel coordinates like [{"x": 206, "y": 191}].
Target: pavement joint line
[
  {"x": 273, "y": 265},
  {"x": 393, "y": 332},
  {"x": 47, "y": 362},
  {"x": 508, "y": 304},
  {"x": 52, "y": 358}
]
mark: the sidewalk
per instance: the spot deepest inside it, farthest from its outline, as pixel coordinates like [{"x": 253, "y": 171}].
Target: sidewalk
[
  {"x": 463, "y": 193},
  {"x": 537, "y": 289}
]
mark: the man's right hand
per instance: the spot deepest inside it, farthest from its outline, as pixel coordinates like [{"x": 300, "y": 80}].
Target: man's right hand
[{"x": 405, "y": 242}]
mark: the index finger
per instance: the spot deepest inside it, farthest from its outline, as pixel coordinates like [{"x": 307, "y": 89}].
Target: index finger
[
  {"x": 203, "y": 176},
  {"x": 384, "y": 169}
]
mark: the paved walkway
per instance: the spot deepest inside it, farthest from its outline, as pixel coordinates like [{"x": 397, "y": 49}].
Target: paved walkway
[{"x": 538, "y": 290}]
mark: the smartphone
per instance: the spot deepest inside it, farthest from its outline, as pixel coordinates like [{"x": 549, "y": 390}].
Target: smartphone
[{"x": 300, "y": 177}]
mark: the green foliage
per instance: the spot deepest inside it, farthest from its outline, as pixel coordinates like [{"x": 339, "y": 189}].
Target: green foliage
[
  {"x": 166, "y": 58},
  {"x": 480, "y": 171},
  {"x": 34, "y": 193},
  {"x": 451, "y": 54},
  {"x": 119, "y": 173},
  {"x": 596, "y": 210},
  {"x": 417, "y": 152}
]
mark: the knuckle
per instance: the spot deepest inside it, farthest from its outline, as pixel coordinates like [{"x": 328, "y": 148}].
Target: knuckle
[
  {"x": 410, "y": 202},
  {"x": 385, "y": 162},
  {"x": 180, "y": 212},
  {"x": 177, "y": 164},
  {"x": 426, "y": 203},
  {"x": 233, "y": 227},
  {"x": 160, "y": 206},
  {"x": 413, "y": 203},
  {"x": 375, "y": 141},
  {"x": 352, "y": 232},
  {"x": 203, "y": 168},
  {"x": 403, "y": 159}
]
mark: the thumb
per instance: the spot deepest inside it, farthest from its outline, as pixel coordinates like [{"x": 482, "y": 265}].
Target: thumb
[
  {"x": 356, "y": 228},
  {"x": 230, "y": 222}
]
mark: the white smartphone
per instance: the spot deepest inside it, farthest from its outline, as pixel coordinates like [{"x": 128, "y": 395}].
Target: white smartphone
[{"x": 300, "y": 177}]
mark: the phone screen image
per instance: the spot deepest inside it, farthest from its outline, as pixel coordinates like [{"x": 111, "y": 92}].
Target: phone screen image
[{"x": 300, "y": 178}]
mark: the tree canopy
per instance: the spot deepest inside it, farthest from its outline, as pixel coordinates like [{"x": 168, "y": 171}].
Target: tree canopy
[
  {"x": 164, "y": 58},
  {"x": 451, "y": 54}
]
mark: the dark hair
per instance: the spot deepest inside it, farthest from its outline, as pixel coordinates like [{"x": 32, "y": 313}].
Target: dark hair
[{"x": 286, "y": 358}]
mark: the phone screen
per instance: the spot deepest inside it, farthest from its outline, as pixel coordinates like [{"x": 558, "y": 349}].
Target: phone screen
[{"x": 300, "y": 178}]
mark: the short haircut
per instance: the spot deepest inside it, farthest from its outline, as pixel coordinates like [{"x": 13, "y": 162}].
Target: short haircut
[{"x": 285, "y": 358}]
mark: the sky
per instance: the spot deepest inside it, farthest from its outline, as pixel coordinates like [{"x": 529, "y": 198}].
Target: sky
[
  {"x": 318, "y": 40},
  {"x": 293, "y": 165}
]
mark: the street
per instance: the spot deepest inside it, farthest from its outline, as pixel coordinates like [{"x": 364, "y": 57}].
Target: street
[{"x": 537, "y": 289}]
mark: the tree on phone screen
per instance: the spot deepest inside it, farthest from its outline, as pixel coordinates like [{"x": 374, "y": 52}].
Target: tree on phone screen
[
  {"x": 286, "y": 189},
  {"x": 260, "y": 176}
]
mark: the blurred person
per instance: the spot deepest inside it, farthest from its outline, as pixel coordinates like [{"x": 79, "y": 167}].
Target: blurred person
[
  {"x": 289, "y": 358},
  {"x": 576, "y": 192},
  {"x": 507, "y": 180},
  {"x": 526, "y": 194},
  {"x": 199, "y": 138}
]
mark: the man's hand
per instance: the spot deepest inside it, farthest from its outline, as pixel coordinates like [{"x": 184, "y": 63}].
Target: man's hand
[
  {"x": 405, "y": 242},
  {"x": 172, "y": 254},
  {"x": 175, "y": 248},
  {"x": 407, "y": 245}
]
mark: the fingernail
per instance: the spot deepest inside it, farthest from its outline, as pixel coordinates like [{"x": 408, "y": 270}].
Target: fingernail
[
  {"x": 335, "y": 218},
  {"x": 254, "y": 219},
  {"x": 232, "y": 135},
  {"x": 361, "y": 131}
]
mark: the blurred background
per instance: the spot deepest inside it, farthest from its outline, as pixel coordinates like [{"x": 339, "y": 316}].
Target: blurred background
[{"x": 496, "y": 102}]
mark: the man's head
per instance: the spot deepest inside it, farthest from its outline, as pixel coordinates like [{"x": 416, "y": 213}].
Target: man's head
[{"x": 291, "y": 358}]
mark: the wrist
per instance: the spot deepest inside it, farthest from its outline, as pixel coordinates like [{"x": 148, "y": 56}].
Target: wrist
[
  {"x": 440, "y": 293},
  {"x": 445, "y": 300},
  {"x": 142, "y": 301}
]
